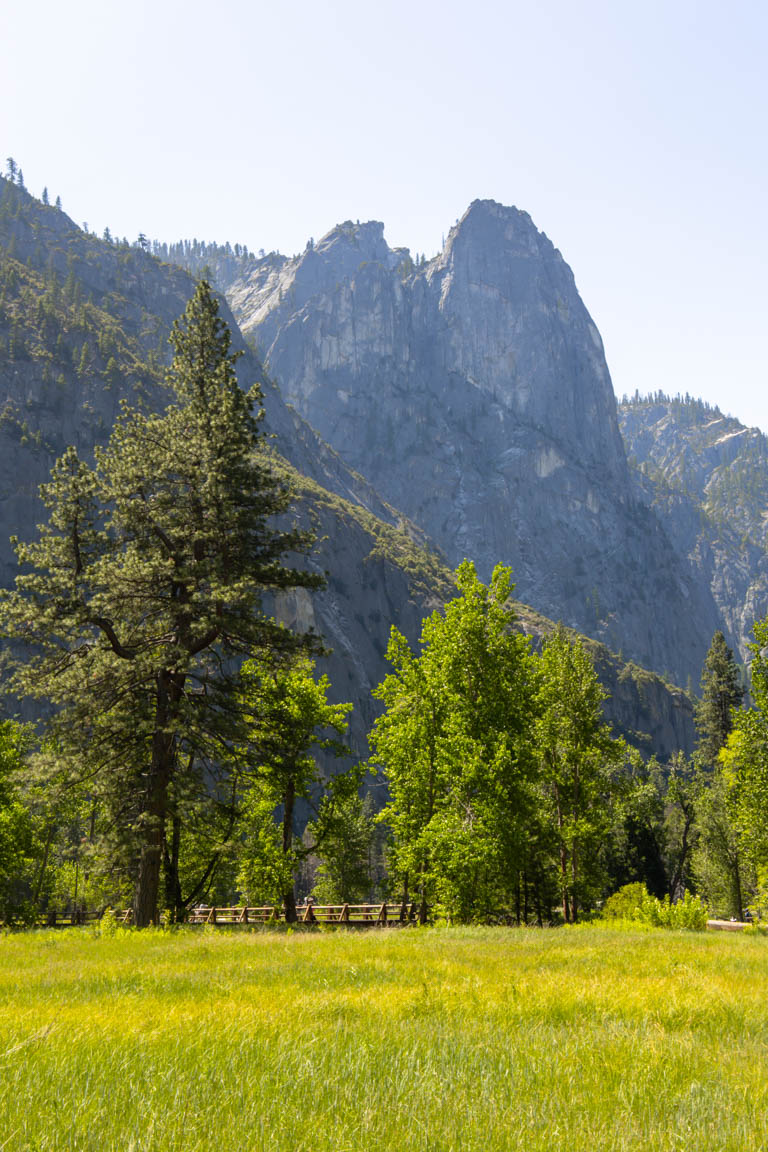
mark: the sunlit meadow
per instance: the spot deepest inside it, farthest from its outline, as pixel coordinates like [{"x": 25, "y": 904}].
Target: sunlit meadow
[{"x": 581, "y": 1038}]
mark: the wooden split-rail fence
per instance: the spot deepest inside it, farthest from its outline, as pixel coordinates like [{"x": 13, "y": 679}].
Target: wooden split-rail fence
[
  {"x": 53, "y": 919},
  {"x": 352, "y": 915},
  {"x": 361, "y": 915}
]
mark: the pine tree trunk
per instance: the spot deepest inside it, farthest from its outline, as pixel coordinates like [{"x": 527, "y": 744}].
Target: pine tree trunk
[
  {"x": 145, "y": 903},
  {"x": 173, "y": 897},
  {"x": 148, "y": 884}
]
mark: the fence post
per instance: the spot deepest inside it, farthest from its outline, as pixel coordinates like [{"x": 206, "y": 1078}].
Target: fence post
[
  {"x": 211, "y": 919},
  {"x": 344, "y": 914},
  {"x": 382, "y": 917}
]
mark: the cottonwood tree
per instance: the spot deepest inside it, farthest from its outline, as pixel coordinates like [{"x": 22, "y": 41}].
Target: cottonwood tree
[
  {"x": 454, "y": 742},
  {"x": 142, "y": 594},
  {"x": 288, "y": 720},
  {"x": 744, "y": 765},
  {"x": 579, "y": 765},
  {"x": 344, "y": 840},
  {"x": 720, "y": 865}
]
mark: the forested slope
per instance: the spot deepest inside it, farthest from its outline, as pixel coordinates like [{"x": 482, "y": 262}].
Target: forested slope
[
  {"x": 706, "y": 476},
  {"x": 84, "y": 324}
]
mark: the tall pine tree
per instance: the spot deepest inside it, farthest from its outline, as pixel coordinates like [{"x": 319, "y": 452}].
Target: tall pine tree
[
  {"x": 721, "y": 694},
  {"x": 141, "y": 596}
]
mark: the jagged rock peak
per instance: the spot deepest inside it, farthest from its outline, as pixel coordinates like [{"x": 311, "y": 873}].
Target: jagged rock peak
[
  {"x": 489, "y": 218},
  {"x": 503, "y": 241},
  {"x": 366, "y": 239},
  {"x": 348, "y": 245},
  {"x": 473, "y": 393}
]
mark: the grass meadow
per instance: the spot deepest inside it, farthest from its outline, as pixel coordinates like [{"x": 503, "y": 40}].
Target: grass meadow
[{"x": 583, "y": 1038}]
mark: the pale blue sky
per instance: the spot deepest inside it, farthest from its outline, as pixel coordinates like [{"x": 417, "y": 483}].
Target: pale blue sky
[{"x": 634, "y": 135}]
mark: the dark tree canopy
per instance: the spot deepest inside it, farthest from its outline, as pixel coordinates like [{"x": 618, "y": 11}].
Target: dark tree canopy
[{"x": 721, "y": 694}]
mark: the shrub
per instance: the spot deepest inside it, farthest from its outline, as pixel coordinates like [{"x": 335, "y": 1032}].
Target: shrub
[
  {"x": 634, "y": 902},
  {"x": 108, "y": 923},
  {"x": 624, "y": 904},
  {"x": 690, "y": 913}
]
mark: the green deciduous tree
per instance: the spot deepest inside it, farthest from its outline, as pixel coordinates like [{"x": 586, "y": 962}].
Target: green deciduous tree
[
  {"x": 718, "y": 860},
  {"x": 289, "y": 720},
  {"x": 142, "y": 594},
  {"x": 640, "y": 848},
  {"x": 580, "y": 767},
  {"x": 682, "y": 812},
  {"x": 344, "y": 838},
  {"x": 744, "y": 762},
  {"x": 454, "y": 741}
]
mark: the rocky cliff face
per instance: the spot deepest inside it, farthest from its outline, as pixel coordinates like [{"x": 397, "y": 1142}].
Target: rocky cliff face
[
  {"x": 706, "y": 476},
  {"x": 472, "y": 391},
  {"x": 84, "y": 323}
]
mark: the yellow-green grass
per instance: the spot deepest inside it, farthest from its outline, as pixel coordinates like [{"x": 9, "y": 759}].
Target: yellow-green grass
[{"x": 586, "y": 1038}]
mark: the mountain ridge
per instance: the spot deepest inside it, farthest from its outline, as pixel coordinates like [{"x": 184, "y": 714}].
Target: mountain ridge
[
  {"x": 706, "y": 475},
  {"x": 62, "y": 289},
  {"x": 472, "y": 391}
]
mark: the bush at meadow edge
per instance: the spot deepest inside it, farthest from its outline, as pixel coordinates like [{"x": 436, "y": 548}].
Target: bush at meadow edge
[{"x": 634, "y": 902}]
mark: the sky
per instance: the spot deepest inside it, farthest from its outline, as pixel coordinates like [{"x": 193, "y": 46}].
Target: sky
[{"x": 633, "y": 134}]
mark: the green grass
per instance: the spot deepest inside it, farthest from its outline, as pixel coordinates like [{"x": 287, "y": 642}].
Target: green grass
[{"x": 586, "y": 1038}]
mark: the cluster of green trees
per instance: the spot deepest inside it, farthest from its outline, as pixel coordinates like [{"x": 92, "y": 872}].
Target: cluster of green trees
[
  {"x": 716, "y": 856},
  {"x": 183, "y": 727},
  {"x": 501, "y": 772},
  {"x": 508, "y": 794},
  {"x": 682, "y": 404}
]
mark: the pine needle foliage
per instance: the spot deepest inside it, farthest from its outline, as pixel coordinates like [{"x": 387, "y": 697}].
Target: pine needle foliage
[
  {"x": 721, "y": 695},
  {"x": 142, "y": 595}
]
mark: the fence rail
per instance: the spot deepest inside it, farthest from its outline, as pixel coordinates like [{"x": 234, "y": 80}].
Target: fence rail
[
  {"x": 357, "y": 915},
  {"x": 354, "y": 915},
  {"x": 363, "y": 915}
]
